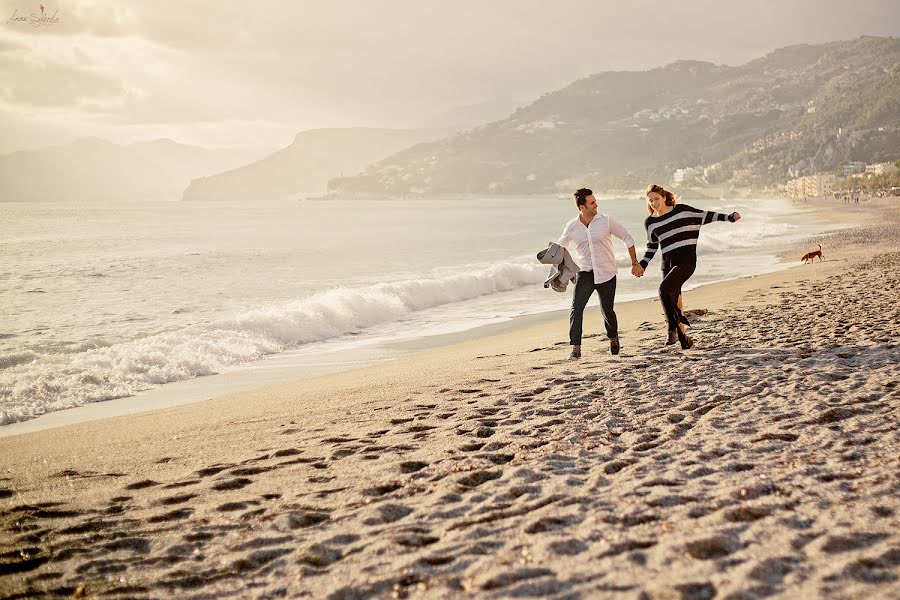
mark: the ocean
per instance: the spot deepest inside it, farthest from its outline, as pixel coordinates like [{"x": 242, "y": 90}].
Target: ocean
[{"x": 107, "y": 301}]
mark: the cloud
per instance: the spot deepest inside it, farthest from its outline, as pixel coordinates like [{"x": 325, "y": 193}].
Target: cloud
[
  {"x": 10, "y": 46},
  {"x": 345, "y": 62},
  {"x": 31, "y": 81}
]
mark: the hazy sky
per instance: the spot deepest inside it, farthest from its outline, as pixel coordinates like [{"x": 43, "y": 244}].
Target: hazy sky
[{"x": 218, "y": 72}]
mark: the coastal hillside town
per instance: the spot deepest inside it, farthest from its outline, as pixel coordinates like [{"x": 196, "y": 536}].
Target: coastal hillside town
[
  {"x": 853, "y": 178},
  {"x": 878, "y": 179}
]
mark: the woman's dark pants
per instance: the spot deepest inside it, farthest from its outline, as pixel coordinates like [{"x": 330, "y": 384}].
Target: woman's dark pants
[{"x": 675, "y": 274}]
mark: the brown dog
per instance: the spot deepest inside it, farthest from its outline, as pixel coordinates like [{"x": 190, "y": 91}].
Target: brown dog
[{"x": 809, "y": 256}]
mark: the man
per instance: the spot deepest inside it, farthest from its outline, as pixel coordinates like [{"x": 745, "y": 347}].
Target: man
[{"x": 592, "y": 249}]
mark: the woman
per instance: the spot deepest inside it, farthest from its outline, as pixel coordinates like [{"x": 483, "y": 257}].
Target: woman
[{"x": 676, "y": 228}]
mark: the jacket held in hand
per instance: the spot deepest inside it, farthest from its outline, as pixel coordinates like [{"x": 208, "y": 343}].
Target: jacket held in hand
[{"x": 563, "y": 268}]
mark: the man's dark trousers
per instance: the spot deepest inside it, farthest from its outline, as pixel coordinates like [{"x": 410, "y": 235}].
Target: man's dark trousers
[{"x": 584, "y": 289}]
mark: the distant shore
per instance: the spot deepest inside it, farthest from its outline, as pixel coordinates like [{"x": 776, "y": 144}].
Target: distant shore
[{"x": 687, "y": 192}]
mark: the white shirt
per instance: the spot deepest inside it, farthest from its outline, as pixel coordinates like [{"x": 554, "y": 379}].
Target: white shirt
[{"x": 593, "y": 249}]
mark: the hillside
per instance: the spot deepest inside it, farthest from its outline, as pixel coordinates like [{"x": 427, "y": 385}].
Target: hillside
[
  {"x": 92, "y": 169},
  {"x": 305, "y": 166},
  {"x": 794, "y": 111}
]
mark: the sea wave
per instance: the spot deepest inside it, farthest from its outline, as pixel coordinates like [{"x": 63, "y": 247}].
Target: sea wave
[
  {"x": 746, "y": 234},
  {"x": 53, "y": 381}
]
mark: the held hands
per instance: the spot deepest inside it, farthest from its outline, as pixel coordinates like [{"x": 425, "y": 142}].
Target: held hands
[{"x": 637, "y": 270}]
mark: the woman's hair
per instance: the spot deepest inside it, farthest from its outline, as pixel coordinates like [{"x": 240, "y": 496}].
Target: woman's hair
[{"x": 671, "y": 200}]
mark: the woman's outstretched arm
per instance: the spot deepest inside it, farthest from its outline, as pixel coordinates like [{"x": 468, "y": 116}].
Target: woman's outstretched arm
[{"x": 710, "y": 215}]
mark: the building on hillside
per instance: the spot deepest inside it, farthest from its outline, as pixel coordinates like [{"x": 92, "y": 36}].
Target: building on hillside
[
  {"x": 741, "y": 174},
  {"x": 685, "y": 174},
  {"x": 794, "y": 188},
  {"x": 812, "y": 186},
  {"x": 821, "y": 185},
  {"x": 711, "y": 170},
  {"x": 886, "y": 168},
  {"x": 853, "y": 167}
]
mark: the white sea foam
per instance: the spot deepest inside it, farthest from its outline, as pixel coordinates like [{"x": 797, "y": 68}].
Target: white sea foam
[
  {"x": 55, "y": 381},
  {"x": 747, "y": 233}
]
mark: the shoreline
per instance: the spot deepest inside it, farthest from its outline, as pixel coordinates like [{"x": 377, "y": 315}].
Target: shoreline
[
  {"x": 281, "y": 369},
  {"x": 200, "y": 389},
  {"x": 304, "y": 364}
]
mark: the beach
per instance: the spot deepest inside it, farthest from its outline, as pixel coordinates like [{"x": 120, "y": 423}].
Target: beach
[{"x": 761, "y": 463}]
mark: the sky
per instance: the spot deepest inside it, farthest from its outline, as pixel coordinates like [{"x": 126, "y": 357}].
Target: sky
[{"x": 225, "y": 73}]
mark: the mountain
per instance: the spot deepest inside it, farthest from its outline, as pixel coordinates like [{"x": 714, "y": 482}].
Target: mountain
[
  {"x": 797, "y": 110},
  {"x": 305, "y": 166},
  {"x": 93, "y": 169}
]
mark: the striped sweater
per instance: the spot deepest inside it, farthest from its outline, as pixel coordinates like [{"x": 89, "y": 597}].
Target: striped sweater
[{"x": 678, "y": 228}]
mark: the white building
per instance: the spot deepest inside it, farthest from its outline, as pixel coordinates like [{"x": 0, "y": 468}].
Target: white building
[
  {"x": 811, "y": 186},
  {"x": 794, "y": 188},
  {"x": 707, "y": 171},
  {"x": 682, "y": 175},
  {"x": 886, "y": 168},
  {"x": 820, "y": 185}
]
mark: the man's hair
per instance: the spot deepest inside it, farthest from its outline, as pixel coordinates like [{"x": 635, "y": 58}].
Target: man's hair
[{"x": 581, "y": 196}]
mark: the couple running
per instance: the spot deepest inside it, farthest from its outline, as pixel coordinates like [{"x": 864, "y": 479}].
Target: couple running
[{"x": 671, "y": 226}]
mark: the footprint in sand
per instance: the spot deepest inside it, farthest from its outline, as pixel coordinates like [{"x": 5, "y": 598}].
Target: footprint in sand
[
  {"x": 319, "y": 555},
  {"x": 416, "y": 538},
  {"x": 477, "y": 478},
  {"x": 231, "y": 484},
  {"x": 545, "y": 524},
  {"x": 302, "y": 519},
  {"x": 712, "y": 547},
  {"x": 175, "y": 515},
  {"x": 855, "y": 541},
  {"x": 175, "y": 499},
  {"x": 389, "y": 513},
  {"x": 382, "y": 489},
  {"x": 139, "y": 485},
  {"x": 412, "y": 466}
]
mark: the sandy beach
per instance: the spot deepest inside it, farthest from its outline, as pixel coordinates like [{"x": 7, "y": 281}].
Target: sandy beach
[{"x": 761, "y": 463}]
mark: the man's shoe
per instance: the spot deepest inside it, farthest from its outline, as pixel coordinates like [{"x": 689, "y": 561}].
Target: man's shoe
[
  {"x": 673, "y": 337},
  {"x": 614, "y": 346},
  {"x": 575, "y": 355},
  {"x": 687, "y": 343}
]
